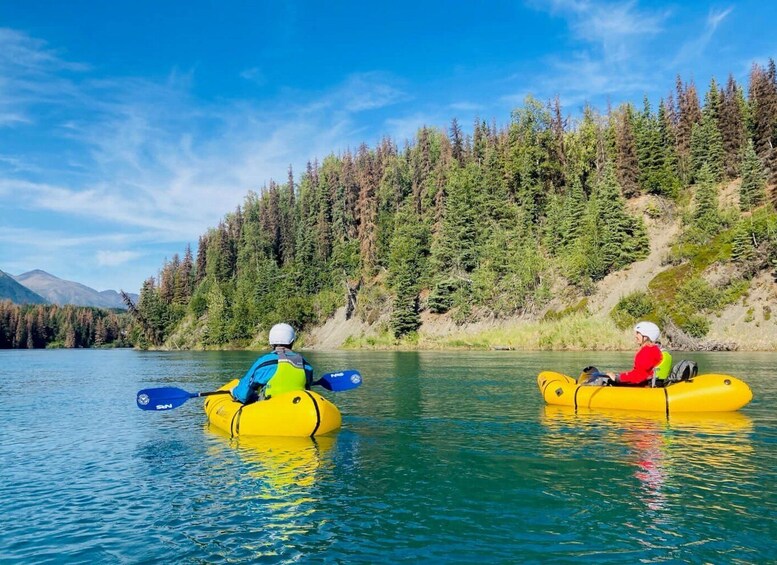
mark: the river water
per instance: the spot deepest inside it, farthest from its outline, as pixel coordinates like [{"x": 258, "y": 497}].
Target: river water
[{"x": 443, "y": 457}]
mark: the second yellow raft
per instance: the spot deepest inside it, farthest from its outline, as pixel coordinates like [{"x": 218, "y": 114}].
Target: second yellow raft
[
  {"x": 292, "y": 414},
  {"x": 703, "y": 393}
]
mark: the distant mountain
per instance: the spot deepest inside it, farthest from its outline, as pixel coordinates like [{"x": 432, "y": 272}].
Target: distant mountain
[
  {"x": 17, "y": 293},
  {"x": 59, "y": 291}
]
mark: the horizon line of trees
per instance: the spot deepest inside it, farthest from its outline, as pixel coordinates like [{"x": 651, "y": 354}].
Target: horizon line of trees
[
  {"x": 472, "y": 224},
  {"x": 37, "y": 326}
]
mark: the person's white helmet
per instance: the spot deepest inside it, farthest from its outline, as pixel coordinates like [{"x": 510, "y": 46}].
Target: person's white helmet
[
  {"x": 282, "y": 334},
  {"x": 649, "y": 330}
]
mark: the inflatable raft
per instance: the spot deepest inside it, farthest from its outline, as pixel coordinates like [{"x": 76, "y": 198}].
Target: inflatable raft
[
  {"x": 293, "y": 414},
  {"x": 703, "y": 393}
]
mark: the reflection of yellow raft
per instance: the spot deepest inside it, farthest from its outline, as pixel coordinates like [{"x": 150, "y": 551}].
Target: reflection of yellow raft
[
  {"x": 719, "y": 423},
  {"x": 299, "y": 413},
  {"x": 703, "y": 393}
]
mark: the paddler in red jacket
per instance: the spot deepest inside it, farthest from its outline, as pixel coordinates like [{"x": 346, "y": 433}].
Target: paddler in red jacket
[{"x": 648, "y": 357}]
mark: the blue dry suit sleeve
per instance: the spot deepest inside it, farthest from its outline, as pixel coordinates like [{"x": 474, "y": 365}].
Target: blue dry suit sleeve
[{"x": 255, "y": 377}]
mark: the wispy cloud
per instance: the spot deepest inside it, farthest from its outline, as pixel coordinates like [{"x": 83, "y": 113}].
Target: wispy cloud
[
  {"x": 11, "y": 118},
  {"x": 115, "y": 258},
  {"x": 58, "y": 239},
  {"x": 30, "y": 73},
  {"x": 367, "y": 91},
  {"x": 255, "y": 75},
  {"x": 580, "y": 77},
  {"x": 31, "y": 54},
  {"x": 466, "y": 106},
  {"x": 609, "y": 54},
  {"x": 615, "y": 27},
  {"x": 695, "y": 48}
]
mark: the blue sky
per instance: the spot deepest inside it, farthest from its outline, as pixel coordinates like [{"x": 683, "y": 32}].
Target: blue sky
[{"x": 127, "y": 129}]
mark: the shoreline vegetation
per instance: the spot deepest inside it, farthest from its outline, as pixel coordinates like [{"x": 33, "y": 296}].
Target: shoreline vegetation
[
  {"x": 550, "y": 232},
  {"x": 577, "y": 333}
]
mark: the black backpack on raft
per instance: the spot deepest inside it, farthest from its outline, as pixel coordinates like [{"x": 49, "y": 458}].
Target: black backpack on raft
[{"x": 682, "y": 371}]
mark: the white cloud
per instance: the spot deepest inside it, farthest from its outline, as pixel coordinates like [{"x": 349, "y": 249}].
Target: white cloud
[{"x": 115, "y": 258}]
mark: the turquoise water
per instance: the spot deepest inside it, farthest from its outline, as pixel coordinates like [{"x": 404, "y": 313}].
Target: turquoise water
[{"x": 443, "y": 457}]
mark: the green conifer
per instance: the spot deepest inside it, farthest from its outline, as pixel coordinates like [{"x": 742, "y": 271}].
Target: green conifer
[{"x": 752, "y": 191}]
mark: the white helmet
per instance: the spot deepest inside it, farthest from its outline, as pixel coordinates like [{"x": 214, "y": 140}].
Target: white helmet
[
  {"x": 282, "y": 334},
  {"x": 649, "y": 330}
]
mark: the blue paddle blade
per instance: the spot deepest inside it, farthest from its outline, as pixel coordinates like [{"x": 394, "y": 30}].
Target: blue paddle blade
[
  {"x": 164, "y": 398},
  {"x": 343, "y": 380}
]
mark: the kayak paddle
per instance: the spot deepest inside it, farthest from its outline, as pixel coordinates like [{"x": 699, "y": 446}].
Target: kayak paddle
[
  {"x": 169, "y": 397},
  {"x": 338, "y": 382}
]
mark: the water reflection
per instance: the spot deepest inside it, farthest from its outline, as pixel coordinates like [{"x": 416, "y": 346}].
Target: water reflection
[
  {"x": 280, "y": 464},
  {"x": 408, "y": 397},
  {"x": 670, "y": 458},
  {"x": 648, "y": 455},
  {"x": 269, "y": 500}
]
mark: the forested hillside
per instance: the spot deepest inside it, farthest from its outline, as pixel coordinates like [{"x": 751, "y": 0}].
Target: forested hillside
[
  {"x": 40, "y": 326},
  {"x": 496, "y": 223}
]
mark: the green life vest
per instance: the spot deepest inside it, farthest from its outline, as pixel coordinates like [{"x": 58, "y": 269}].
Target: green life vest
[
  {"x": 665, "y": 367},
  {"x": 289, "y": 375}
]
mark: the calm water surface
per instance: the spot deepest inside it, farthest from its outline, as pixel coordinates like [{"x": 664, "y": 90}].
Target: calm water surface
[{"x": 447, "y": 457}]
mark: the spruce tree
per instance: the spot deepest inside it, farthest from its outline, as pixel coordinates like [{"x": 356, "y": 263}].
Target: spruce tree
[
  {"x": 706, "y": 216},
  {"x": 627, "y": 166},
  {"x": 649, "y": 151},
  {"x": 406, "y": 264},
  {"x": 200, "y": 267},
  {"x": 457, "y": 141},
  {"x": 572, "y": 215},
  {"x": 367, "y": 178},
  {"x": 581, "y": 148},
  {"x": 688, "y": 115},
  {"x": 669, "y": 182},
  {"x": 421, "y": 166},
  {"x": 732, "y": 127},
  {"x": 552, "y": 230},
  {"x": 531, "y": 167},
  {"x": 216, "y": 329},
  {"x": 455, "y": 249},
  {"x": 752, "y": 191},
  {"x": 763, "y": 103},
  {"x": 706, "y": 141},
  {"x": 184, "y": 278},
  {"x": 624, "y": 238},
  {"x": 288, "y": 228}
]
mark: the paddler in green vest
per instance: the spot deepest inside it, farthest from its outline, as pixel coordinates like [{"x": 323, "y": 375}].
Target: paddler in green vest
[{"x": 281, "y": 370}]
